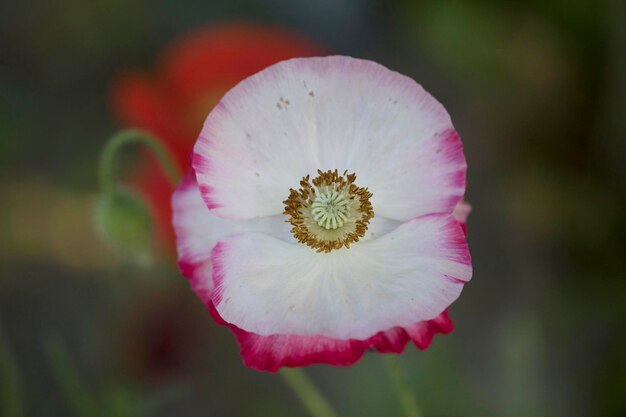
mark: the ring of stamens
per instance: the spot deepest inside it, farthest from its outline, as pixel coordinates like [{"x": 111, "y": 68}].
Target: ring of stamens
[{"x": 330, "y": 211}]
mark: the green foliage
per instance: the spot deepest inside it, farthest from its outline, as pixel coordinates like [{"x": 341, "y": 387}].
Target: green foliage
[
  {"x": 120, "y": 402},
  {"x": 10, "y": 382},
  {"x": 74, "y": 391}
]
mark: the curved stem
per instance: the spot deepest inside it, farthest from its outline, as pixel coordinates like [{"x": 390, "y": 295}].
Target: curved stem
[
  {"x": 128, "y": 136},
  {"x": 403, "y": 388},
  {"x": 310, "y": 396}
]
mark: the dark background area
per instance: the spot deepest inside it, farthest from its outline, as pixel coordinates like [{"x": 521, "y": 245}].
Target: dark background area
[{"x": 537, "y": 90}]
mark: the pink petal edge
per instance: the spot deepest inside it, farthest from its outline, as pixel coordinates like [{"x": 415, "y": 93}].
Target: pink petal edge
[{"x": 270, "y": 353}]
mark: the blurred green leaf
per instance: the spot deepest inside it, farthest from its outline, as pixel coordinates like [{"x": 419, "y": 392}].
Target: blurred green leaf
[
  {"x": 464, "y": 37},
  {"x": 122, "y": 403},
  {"x": 10, "y": 389},
  {"x": 119, "y": 402},
  {"x": 82, "y": 403}
]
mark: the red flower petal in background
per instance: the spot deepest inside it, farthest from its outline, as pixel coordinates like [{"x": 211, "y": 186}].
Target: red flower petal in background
[{"x": 192, "y": 76}]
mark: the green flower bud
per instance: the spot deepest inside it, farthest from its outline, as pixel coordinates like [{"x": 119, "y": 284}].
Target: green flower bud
[{"x": 124, "y": 221}]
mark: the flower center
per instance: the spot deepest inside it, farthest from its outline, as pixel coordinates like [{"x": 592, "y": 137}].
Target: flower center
[{"x": 329, "y": 212}]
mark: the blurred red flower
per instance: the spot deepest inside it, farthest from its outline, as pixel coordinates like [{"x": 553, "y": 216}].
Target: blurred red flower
[{"x": 192, "y": 75}]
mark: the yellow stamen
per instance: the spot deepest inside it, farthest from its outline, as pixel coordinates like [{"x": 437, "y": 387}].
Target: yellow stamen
[{"x": 330, "y": 211}]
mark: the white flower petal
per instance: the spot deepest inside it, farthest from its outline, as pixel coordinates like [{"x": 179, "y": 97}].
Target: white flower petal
[
  {"x": 267, "y": 286},
  {"x": 329, "y": 113},
  {"x": 198, "y": 230}
]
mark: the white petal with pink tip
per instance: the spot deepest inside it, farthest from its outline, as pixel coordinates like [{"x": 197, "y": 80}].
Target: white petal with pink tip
[
  {"x": 267, "y": 286},
  {"x": 329, "y": 113},
  {"x": 198, "y": 230}
]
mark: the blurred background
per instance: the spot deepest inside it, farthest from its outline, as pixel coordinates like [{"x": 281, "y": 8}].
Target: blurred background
[{"x": 537, "y": 90}]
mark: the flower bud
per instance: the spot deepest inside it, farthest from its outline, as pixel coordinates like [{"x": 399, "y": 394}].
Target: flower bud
[{"x": 124, "y": 221}]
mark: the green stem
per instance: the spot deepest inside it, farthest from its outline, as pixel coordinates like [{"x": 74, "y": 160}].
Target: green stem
[
  {"x": 403, "y": 388},
  {"x": 129, "y": 136},
  {"x": 310, "y": 396},
  {"x": 83, "y": 404}
]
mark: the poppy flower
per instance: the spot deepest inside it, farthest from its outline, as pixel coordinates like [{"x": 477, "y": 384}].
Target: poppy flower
[
  {"x": 193, "y": 74},
  {"x": 317, "y": 220}
]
